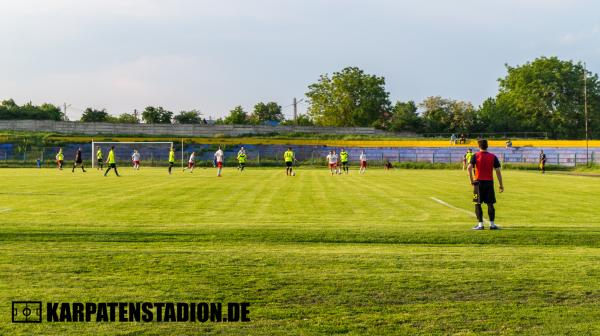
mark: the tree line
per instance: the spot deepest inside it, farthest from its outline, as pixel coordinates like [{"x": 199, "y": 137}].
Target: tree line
[
  {"x": 544, "y": 95},
  {"x": 9, "y": 110}
]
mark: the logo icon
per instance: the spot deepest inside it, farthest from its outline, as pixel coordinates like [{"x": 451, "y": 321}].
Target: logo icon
[{"x": 27, "y": 311}]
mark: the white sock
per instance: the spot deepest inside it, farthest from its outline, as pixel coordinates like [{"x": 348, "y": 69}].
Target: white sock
[
  {"x": 492, "y": 223},
  {"x": 480, "y": 224}
]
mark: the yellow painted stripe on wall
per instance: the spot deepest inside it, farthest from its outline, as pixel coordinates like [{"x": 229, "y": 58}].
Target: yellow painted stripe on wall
[{"x": 338, "y": 143}]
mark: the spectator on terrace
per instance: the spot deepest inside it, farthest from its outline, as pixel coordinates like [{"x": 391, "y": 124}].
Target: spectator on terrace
[
  {"x": 453, "y": 139},
  {"x": 508, "y": 143},
  {"x": 463, "y": 139}
]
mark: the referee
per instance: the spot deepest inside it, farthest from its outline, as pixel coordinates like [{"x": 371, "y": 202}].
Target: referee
[{"x": 484, "y": 163}]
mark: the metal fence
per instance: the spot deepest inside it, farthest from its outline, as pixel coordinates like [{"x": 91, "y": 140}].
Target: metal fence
[{"x": 269, "y": 155}]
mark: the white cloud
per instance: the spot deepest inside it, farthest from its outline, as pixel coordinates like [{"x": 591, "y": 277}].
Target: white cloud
[{"x": 585, "y": 36}]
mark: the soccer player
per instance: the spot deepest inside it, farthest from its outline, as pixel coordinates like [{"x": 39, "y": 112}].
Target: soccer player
[
  {"x": 60, "y": 158},
  {"x": 467, "y": 158},
  {"x": 78, "y": 161},
  {"x": 484, "y": 163},
  {"x": 542, "y": 162},
  {"x": 387, "y": 165},
  {"x": 171, "y": 159},
  {"x": 111, "y": 162},
  {"x": 289, "y": 158},
  {"x": 241, "y": 157},
  {"x": 363, "y": 162},
  {"x": 332, "y": 159},
  {"x": 191, "y": 162},
  {"x": 100, "y": 158},
  {"x": 344, "y": 160},
  {"x": 219, "y": 155},
  {"x": 135, "y": 159}
]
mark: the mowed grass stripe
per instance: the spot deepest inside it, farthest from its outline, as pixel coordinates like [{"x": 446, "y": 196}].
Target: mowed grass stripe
[{"x": 264, "y": 204}]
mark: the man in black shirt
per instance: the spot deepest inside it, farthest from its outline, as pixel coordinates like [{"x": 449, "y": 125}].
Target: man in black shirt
[
  {"x": 78, "y": 161},
  {"x": 542, "y": 162}
]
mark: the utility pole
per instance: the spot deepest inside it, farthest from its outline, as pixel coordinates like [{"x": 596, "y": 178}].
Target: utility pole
[
  {"x": 295, "y": 110},
  {"x": 135, "y": 114},
  {"x": 585, "y": 112},
  {"x": 65, "y": 111}
]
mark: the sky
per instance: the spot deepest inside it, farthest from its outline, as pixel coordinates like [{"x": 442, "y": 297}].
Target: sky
[{"x": 214, "y": 55}]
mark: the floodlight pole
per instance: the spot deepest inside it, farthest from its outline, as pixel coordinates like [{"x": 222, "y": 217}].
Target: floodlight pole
[{"x": 585, "y": 112}]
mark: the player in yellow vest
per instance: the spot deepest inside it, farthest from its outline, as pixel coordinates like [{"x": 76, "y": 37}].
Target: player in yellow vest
[
  {"x": 344, "y": 159},
  {"x": 60, "y": 158},
  {"x": 171, "y": 159},
  {"x": 289, "y": 158},
  {"x": 241, "y": 157},
  {"x": 100, "y": 158},
  {"x": 111, "y": 161},
  {"x": 467, "y": 158}
]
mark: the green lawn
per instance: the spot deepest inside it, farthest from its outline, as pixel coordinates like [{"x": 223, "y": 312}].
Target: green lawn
[{"x": 313, "y": 254}]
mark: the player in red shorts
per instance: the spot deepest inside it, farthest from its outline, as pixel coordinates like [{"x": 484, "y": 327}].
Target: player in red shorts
[
  {"x": 135, "y": 158},
  {"x": 363, "y": 162},
  {"x": 191, "y": 162},
  {"x": 332, "y": 160},
  {"x": 219, "y": 156}
]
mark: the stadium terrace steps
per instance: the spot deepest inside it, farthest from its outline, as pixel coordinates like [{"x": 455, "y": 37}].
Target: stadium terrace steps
[{"x": 179, "y": 130}]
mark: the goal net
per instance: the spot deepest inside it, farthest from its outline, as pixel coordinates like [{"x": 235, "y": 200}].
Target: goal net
[{"x": 150, "y": 153}]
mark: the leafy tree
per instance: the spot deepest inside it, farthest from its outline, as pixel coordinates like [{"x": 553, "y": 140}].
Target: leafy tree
[
  {"x": 266, "y": 112},
  {"x": 93, "y": 115},
  {"x": 10, "y": 110},
  {"x": 441, "y": 115},
  {"x": 237, "y": 116},
  {"x": 301, "y": 120},
  {"x": 349, "y": 98},
  {"x": 404, "y": 117},
  {"x": 464, "y": 117},
  {"x": 188, "y": 117},
  {"x": 304, "y": 120},
  {"x": 156, "y": 115},
  {"x": 437, "y": 114},
  {"x": 495, "y": 116},
  {"x": 547, "y": 95},
  {"x": 127, "y": 118}
]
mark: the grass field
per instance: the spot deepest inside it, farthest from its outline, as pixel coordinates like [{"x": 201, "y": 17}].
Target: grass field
[{"x": 313, "y": 254}]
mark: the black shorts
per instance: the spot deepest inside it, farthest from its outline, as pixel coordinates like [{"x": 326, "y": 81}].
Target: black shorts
[
  {"x": 242, "y": 164},
  {"x": 171, "y": 163},
  {"x": 78, "y": 162},
  {"x": 344, "y": 164},
  {"x": 288, "y": 163},
  {"x": 100, "y": 161},
  {"x": 483, "y": 192},
  {"x": 112, "y": 165}
]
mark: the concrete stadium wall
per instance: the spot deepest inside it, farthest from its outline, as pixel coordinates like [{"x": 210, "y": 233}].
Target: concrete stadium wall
[{"x": 75, "y": 127}]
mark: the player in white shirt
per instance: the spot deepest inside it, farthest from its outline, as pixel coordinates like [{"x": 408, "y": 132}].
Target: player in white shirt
[
  {"x": 135, "y": 158},
  {"x": 363, "y": 162},
  {"x": 332, "y": 159},
  {"x": 191, "y": 162},
  {"x": 219, "y": 156}
]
